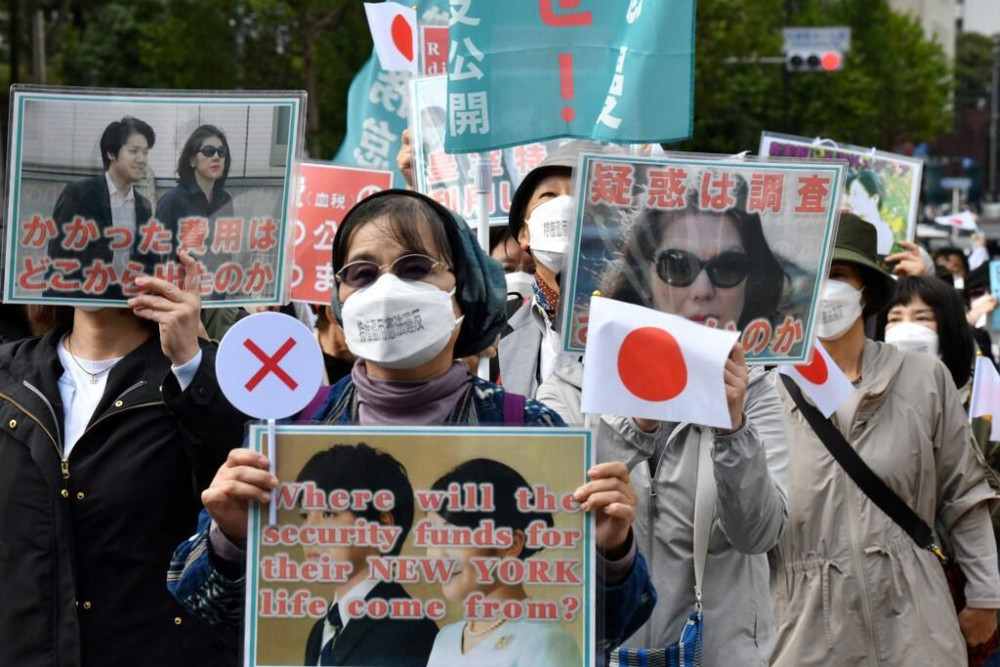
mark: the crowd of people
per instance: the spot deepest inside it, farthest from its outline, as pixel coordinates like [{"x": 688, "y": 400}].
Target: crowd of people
[{"x": 124, "y": 489}]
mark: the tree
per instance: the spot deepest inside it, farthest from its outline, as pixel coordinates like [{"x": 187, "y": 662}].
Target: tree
[
  {"x": 973, "y": 70},
  {"x": 895, "y": 85}
]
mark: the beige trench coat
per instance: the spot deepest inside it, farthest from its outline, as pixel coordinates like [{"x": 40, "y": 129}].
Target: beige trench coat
[{"x": 851, "y": 588}]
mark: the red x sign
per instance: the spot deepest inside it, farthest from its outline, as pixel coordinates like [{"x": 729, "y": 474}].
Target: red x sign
[{"x": 270, "y": 364}]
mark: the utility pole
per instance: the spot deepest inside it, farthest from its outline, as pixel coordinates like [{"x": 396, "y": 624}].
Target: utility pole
[{"x": 995, "y": 118}]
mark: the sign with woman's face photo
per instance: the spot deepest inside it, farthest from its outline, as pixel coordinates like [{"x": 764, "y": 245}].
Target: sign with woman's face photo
[
  {"x": 881, "y": 188},
  {"x": 739, "y": 244}
]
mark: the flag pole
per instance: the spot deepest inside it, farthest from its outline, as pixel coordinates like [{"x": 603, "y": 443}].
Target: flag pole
[{"x": 484, "y": 183}]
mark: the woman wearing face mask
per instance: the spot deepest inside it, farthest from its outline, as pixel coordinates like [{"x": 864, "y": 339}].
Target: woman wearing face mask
[
  {"x": 415, "y": 292},
  {"x": 850, "y": 586},
  {"x": 540, "y": 220},
  {"x": 697, "y": 264},
  {"x": 498, "y": 643}
]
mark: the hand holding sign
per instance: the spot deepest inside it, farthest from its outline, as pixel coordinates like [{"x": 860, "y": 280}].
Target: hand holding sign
[
  {"x": 175, "y": 310},
  {"x": 611, "y": 498},
  {"x": 242, "y": 478},
  {"x": 736, "y": 377}
]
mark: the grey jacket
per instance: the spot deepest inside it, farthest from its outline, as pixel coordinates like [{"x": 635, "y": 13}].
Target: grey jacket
[
  {"x": 520, "y": 351},
  {"x": 750, "y": 514},
  {"x": 850, "y": 587}
]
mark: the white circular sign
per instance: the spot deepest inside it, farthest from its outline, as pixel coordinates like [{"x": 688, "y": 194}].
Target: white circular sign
[{"x": 269, "y": 365}]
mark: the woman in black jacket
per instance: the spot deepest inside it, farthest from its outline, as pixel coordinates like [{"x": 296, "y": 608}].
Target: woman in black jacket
[{"x": 111, "y": 425}]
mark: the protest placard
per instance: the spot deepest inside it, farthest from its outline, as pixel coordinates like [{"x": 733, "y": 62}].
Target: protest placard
[
  {"x": 419, "y": 531},
  {"x": 881, "y": 188},
  {"x": 451, "y": 179},
  {"x": 107, "y": 185},
  {"x": 740, "y": 244},
  {"x": 536, "y": 70},
  {"x": 378, "y": 105},
  {"x": 326, "y": 193}
]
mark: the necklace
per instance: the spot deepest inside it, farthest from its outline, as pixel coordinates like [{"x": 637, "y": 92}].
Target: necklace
[
  {"x": 93, "y": 375},
  {"x": 485, "y": 631}
]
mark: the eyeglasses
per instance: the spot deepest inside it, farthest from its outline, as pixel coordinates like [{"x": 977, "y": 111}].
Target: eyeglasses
[
  {"x": 210, "y": 151},
  {"x": 680, "y": 268},
  {"x": 412, "y": 267}
]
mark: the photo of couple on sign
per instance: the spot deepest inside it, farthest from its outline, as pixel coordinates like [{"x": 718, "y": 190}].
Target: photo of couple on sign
[
  {"x": 106, "y": 188},
  {"x": 421, "y": 549}
]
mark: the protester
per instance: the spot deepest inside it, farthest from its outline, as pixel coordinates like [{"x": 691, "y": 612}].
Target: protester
[
  {"x": 499, "y": 643},
  {"x": 701, "y": 265},
  {"x": 518, "y": 266},
  {"x": 337, "y": 358},
  {"x": 14, "y": 324},
  {"x": 113, "y": 423},
  {"x": 403, "y": 259},
  {"x": 540, "y": 220},
  {"x": 954, "y": 261},
  {"x": 202, "y": 169},
  {"x": 850, "y": 586},
  {"x": 110, "y": 201}
]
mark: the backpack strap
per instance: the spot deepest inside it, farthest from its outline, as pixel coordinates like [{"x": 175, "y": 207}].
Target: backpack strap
[
  {"x": 864, "y": 477},
  {"x": 513, "y": 408}
]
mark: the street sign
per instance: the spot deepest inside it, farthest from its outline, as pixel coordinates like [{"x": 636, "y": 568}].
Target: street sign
[
  {"x": 817, "y": 39},
  {"x": 269, "y": 366}
]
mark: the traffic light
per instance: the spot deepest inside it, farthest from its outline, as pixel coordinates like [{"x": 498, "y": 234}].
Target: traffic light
[{"x": 814, "y": 61}]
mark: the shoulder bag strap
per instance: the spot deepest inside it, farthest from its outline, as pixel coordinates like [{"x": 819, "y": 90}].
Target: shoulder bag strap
[
  {"x": 870, "y": 483},
  {"x": 704, "y": 510}
]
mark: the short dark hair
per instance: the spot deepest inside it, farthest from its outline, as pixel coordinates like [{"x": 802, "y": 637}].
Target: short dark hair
[
  {"x": 360, "y": 467},
  {"x": 506, "y": 481},
  {"x": 117, "y": 134},
  {"x": 625, "y": 279},
  {"x": 870, "y": 181},
  {"x": 952, "y": 250},
  {"x": 185, "y": 172},
  {"x": 956, "y": 346}
]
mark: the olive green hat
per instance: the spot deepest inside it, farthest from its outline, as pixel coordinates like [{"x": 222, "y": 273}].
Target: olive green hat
[{"x": 857, "y": 243}]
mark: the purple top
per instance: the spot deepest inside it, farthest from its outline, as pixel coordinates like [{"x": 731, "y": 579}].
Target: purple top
[{"x": 409, "y": 402}]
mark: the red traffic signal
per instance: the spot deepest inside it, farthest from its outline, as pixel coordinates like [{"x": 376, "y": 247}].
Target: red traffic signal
[{"x": 814, "y": 61}]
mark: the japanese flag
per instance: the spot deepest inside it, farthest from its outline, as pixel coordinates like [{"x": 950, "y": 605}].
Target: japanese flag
[
  {"x": 986, "y": 394},
  {"x": 821, "y": 380},
  {"x": 964, "y": 220},
  {"x": 643, "y": 363},
  {"x": 394, "y": 31}
]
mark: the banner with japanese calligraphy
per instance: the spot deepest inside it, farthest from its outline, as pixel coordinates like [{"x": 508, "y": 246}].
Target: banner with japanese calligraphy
[
  {"x": 739, "y": 244},
  {"x": 378, "y": 102},
  {"x": 881, "y": 188},
  {"x": 532, "y": 70},
  {"x": 104, "y": 186},
  {"x": 326, "y": 193},
  {"x": 451, "y": 179},
  {"x": 441, "y": 546}
]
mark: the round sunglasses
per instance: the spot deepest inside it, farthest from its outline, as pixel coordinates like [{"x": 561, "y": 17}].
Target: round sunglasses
[
  {"x": 411, "y": 267},
  {"x": 680, "y": 268},
  {"x": 211, "y": 151}
]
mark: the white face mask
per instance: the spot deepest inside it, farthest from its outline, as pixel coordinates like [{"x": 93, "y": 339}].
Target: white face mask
[
  {"x": 913, "y": 337},
  {"x": 398, "y": 324},
  {"x": 840, "y": 309},
  {"x": 549, "y": 228},
  {"x": 520, "y": 282}
]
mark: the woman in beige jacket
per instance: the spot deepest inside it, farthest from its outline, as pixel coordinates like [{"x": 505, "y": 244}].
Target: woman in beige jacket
[{"x": 850, "y": 587}]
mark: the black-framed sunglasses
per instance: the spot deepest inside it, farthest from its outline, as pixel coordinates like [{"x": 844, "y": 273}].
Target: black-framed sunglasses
[
  {"x": 211, "y": 151},
  {"x": 411, "y": 267},
  {"x": 680, "y": 268}
]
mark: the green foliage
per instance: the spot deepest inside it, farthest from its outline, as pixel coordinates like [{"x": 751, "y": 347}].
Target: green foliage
[
  {"x": 973, "y": 69},
  {"x": 894, "y": 87}
]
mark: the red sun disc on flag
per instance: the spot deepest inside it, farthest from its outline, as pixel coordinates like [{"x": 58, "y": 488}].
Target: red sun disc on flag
[
  {"x": 815, "y": 371},
  {"x": 402, "y": 36},
  {"x": 651, "y": 365}
]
